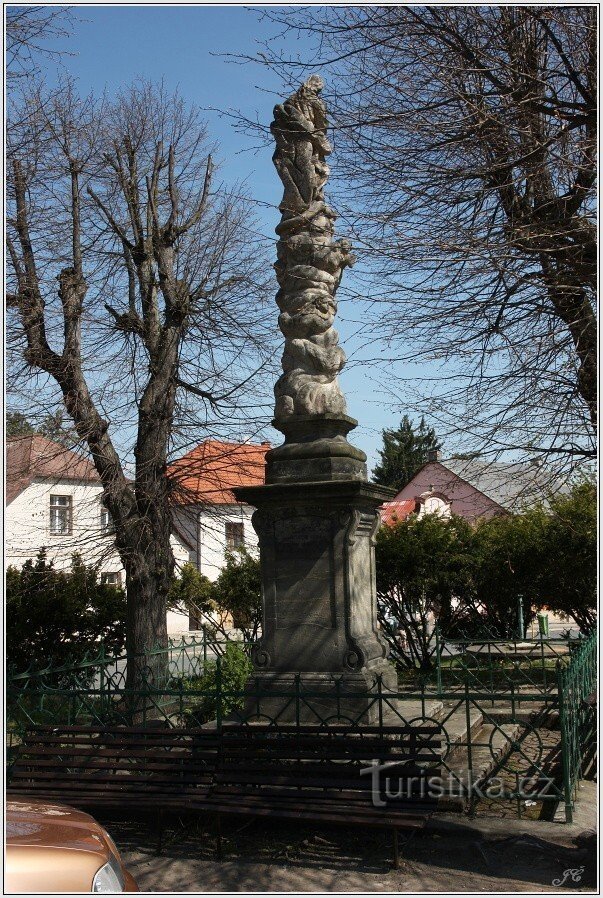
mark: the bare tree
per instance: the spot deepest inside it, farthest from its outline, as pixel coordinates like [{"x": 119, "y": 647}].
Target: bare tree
[
  {"x": 28, "y": 30},
  {"x": 159, "y": 307},
  {"x": 465, "y": 143}
]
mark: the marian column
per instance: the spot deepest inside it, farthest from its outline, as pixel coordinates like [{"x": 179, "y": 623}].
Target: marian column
[{"x": 316, "y": 516}]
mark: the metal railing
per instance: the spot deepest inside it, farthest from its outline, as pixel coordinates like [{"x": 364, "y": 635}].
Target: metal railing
[
  {"x": 183, "y": 657},
  {"x": 508, "y": 742},
  {"x": 576, "y": 685},
  {"x": 491, "y": 664}
]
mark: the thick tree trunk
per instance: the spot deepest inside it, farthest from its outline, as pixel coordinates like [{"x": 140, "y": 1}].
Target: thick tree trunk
[
  {"x": 147, "y": 584},
  {"x": 147, "y": 553},
  {"x": 147, "y": 556}
]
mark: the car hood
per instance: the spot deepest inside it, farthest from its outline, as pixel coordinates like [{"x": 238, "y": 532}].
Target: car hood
[{"x": 46, "y": 825}]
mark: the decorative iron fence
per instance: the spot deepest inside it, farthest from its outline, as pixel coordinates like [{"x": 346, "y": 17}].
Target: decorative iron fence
[
  {"x": 490, "y": 664},
  {"x": 576, "y": 689},
  {"x": 522, "y": 742},
  {"x": 183, "y": 657}
]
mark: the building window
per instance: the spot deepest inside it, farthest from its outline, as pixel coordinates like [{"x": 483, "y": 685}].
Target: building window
[
  {"x": 110, "y": 578},
  {"x": 235, "y": 535},
  {"x": 61, "y": 517},
  {"x": 105, "y": 519}
]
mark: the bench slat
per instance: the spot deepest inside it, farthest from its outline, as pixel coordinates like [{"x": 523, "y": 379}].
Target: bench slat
[{"x": 308, "y": 773}]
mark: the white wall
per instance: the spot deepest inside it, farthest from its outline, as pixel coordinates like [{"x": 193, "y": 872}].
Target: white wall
[
  {"x": 177, "y": 624},
  {"x": 27, "y": 529},
  {"x": 27, "y": 526},
  {"x": 212, "y": 535}
]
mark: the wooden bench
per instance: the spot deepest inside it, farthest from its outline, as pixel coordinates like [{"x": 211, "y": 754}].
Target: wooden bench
[
  {"x": 326, "y": 775},
  {"x": 304, "y": 773},
  {"x": 88, "y": 767}
]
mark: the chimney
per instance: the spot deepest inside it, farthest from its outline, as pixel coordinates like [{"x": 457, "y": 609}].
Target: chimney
[{"x": 434, "y": 455}]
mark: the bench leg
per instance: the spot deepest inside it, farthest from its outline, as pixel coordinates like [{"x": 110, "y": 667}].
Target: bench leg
[
  {"x": 396, "y": 850},
  {"x": 219, "y": 838},
  {"x": 159, "y": 831}
]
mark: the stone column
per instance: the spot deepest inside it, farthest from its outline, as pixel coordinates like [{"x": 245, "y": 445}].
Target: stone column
[{"x": 316, "y": 515}]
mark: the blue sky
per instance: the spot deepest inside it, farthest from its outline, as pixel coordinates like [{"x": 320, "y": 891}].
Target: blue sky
[{"x": 111, "y": 46}]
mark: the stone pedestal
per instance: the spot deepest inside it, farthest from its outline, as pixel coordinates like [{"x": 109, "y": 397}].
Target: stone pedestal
[{"x": 320, "y": 632}]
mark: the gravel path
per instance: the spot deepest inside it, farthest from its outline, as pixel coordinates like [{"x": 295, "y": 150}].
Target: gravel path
[{"x": 453, "y": 855}]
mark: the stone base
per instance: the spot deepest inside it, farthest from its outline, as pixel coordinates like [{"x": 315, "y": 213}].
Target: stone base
[
  {"x": 317, "y": 698},
  {"x": 315, "y": 448},
  {"x": 320, "y": 621}
]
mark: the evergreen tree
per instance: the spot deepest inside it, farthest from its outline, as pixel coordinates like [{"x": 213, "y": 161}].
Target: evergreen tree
[
  {"x": 404, "y": 451},
  {"x": 17, "y": 425}
]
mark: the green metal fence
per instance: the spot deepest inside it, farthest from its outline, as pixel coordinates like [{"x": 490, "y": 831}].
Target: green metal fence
[
  {"x": 96, "y": 689},
  {"x": 505, "y": 740},
  {"x": 489, "y": 664},
  {"x": 576, "y": 686},
  {"x": 183, "y": 657}
]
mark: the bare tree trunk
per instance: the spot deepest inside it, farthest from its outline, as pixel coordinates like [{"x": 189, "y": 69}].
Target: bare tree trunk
[
  {"x": 163, "y": 252},
  {"x": 147, "y": 581}
]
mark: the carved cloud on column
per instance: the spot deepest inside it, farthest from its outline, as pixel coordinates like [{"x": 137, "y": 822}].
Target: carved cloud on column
[{"x": 310, "y": 262}]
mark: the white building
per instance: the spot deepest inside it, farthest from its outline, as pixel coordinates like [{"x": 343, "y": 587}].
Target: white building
[
  {"x": 54, "y": 501},
  {"x": 206, "y": 512}
]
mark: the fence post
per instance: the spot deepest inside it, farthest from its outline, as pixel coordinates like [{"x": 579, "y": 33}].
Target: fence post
[
  {"x": 472, "y": 801},
  {"x": 520, "y": 630},
  {"x": 297, "y": 699},
  {"x": 204, "y": 647},
  {"x": 219, "y": 693},
  {"x": 565, "y": 747},
  {"x": 104, "y": 705},
  {"x": 490, "y": 671},
  {"x": 438, "y": 661},
  {"x": 468, "y": 724}
]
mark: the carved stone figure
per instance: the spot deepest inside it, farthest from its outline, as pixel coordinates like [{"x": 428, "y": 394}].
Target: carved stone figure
[
  {"x": 316, "y": 514},
  {"x": 309, "y": 263}
]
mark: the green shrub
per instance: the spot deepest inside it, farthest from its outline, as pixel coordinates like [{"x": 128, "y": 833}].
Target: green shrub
[
  {"x": 232, "y": 669},
  {"x": 422, "y": 564},
  {"x": 238, "y": 590},
  {"x": 57, "y": 617}
]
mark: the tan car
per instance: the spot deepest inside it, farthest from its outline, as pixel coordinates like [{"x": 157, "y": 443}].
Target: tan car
[{"x": 55, "y": 848}]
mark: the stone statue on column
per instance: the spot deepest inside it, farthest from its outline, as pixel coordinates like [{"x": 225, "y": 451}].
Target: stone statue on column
[
  {"x": 316, "y": 514},
  {"x": 310, "y": 262}
]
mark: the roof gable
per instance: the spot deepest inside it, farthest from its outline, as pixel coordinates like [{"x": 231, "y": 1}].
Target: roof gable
[
  {"x": 210, "y": 472},
  {"x": 476, "y": 488},
  {"x": 512, "y": 485},
  {"x": 34, "y": 456}
]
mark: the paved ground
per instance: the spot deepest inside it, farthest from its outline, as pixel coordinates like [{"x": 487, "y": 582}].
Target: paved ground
[{"x": 452, "y": 855}]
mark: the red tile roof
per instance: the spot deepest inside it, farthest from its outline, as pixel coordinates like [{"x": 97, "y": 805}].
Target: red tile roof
[
  {"x": 209, "y": 473},
  {"x": 34, "y": 456},
  {"x": 398, "y": 510}
]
